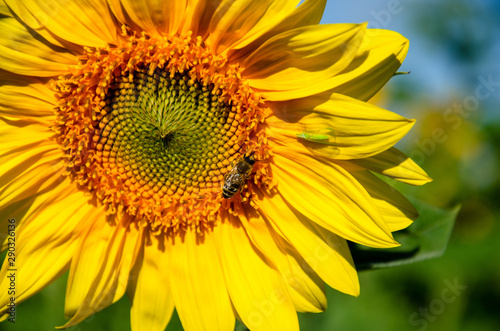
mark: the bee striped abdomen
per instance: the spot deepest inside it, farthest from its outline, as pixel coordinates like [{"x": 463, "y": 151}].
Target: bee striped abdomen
[
  {"x": 229, "y": 190},
  {"x": 235, "y": 179}
]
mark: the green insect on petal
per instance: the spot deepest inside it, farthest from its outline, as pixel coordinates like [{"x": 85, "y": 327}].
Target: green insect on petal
[
  {"x": 324, "y": 145},
  {"x": 313, "y": 137}
]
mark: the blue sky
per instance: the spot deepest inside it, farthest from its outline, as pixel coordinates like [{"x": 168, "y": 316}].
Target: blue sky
[{"x": 434, "y": 66}]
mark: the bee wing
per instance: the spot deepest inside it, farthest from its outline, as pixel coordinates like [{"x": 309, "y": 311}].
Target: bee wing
[
  {"x": 321, "y": 142},
  {"x": 232, "y": 178}
]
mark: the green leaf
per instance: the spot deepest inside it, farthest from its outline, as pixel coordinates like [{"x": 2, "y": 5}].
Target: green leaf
[{"x": 426, "y": 238}]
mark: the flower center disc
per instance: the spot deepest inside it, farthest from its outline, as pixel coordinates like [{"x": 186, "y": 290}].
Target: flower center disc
[{"x": 152, "y": 125}]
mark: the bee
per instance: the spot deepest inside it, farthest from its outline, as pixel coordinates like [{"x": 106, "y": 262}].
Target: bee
[{"x": 235, "y": 179}]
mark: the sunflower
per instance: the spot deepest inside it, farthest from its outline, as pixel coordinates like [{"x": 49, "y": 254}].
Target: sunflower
[{"x": 209, "y": 156}]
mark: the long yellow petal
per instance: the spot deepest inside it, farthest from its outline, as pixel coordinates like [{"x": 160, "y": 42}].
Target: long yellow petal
[
  {"x": 41, "y": 164},
  {"x": 15, "y": 137},
  {"x": 24, "y": 52},
  {"x": 23, "y": 97},
  {"x": 28, "y": 179},
  {"x": 22, "y": 210},
  {"x": 257, "y": 290},
  {"x": 149, "y": 289},
  {"x": 24, "y": 160},
  {"x": 327, "y": 255},
  {"x": 18, "y": 208},
  {"x": 34, "y": 24},
  {"x": 72, "y": 20},
  {"x": 379, "y": 56},
  {"x": 161, "y": 16},
  {"x": 396, "y": 210},
  {"x": 337, "y": 201},
  {"x": 307, "y": 13},
  {"x": 197, "y": 283},
  {"x": 356, "y": 129},
  {"x": 236, "y": 23},
  {"x": 198, "y": 16},
  {"x": 4, "y": 9},
  {"x": 100, "y": 269},
  {"x": 305, "y": 286},
  {"x": 394, "y": 164},
  {"x": 46, "y": 240},
  {"x": 303, "y": 58}
]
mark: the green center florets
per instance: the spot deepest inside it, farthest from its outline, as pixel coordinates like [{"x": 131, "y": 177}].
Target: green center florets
[
  {"x": 150, "y": 127},
  {"x": 165, "y": 129}
]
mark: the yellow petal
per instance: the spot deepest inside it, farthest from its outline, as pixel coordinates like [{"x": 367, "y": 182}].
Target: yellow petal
[
  {"x": 14, "y": 137},
  {"x": 236, "y": 23},
  {"x": 257, "y": 290},
  {"x": 149, "y": 289},
  {"x": 24, "y": 52},
  {"x": 83, "y": 22},
  {"x": 121, "y": 15},
  {"x": 21, "y": 134},
  {"x": 324, "y": 252},
  {"x": 329, "y": 196},
  {"x": 198, "y": 288},
  {"x": 26, "y": 172},
  {"x": 25, "y": 97},
  {"x": 396, "y": 210},
  {"x": 35, "y": 159},
  {"x": 22, "y": 210},
  {"x": 18, "y": 208},
  {"x": 198, "y": 16},
  {"x": 306, "y": 288},
  {"x": 100, "y": 269},
  {"x": 356, "y": 129},
  {"x": 45, "y": 240},
  {"x": 163, "y": 16},
  {"x": 394, "y": 164},
  {"x": 307, "y": 13},
  {"x": 17, "y": 122},
  {"x": 38, "y": 123},
  {"x": 303, "y": 58},
  {"x": 4, "y": 9},
  {"x": 32, "y": 22},
  {"x": 379, "y": 56}
]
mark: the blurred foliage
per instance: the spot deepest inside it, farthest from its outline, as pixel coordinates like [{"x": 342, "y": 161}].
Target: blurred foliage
[{"x": 426, "y": 238}]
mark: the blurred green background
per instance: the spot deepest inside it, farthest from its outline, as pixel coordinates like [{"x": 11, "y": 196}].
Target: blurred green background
[{"x": 454, "y": 46}]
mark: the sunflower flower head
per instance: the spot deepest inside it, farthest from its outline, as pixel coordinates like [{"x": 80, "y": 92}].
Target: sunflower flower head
[
  {"x": 151, "y": 125},
  {"x": 213, "y": 157}
]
